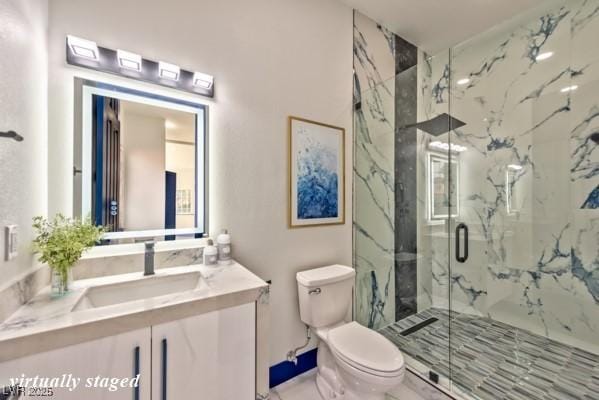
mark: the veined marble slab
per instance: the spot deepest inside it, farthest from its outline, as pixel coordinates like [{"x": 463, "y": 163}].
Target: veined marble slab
[
  {"x": 534, "y": 264},
  {"x": 106, "y": 260},
  {"x": 374, "y": 177}
]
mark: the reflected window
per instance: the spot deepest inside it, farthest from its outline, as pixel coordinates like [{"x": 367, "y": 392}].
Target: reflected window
[
  {"x": 512, "y": 189},
  {"x": 184, "y": 202},
  {"x": 443, "y": 182}
]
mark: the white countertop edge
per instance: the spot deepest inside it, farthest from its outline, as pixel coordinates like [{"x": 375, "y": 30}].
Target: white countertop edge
[{"x": 228, "y": 286}]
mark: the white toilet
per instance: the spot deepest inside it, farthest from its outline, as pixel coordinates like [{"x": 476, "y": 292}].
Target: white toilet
[{"x": 354, "y": 362}]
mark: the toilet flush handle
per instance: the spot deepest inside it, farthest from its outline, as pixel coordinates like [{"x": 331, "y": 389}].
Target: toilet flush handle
[{"x": 314, "y": 291}]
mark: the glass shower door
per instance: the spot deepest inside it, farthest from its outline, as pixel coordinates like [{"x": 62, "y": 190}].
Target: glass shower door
[
  {"x": 399, "y": 245},
  {"x": 401, "y": 215},
  {"x": 524, "y": 231}
]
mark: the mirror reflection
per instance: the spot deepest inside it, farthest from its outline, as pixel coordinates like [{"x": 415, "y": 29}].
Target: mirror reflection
[
  {"x": 443, "y": 191},
  {"x": 141, "y": 178}
]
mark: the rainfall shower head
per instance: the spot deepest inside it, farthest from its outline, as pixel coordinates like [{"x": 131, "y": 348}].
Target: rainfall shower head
[{"x": 439, "y": 125}]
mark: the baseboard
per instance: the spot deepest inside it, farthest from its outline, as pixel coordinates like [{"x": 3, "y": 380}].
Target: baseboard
[{"x": 286, "y": 370}]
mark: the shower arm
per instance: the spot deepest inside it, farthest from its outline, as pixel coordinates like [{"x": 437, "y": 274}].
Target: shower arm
[{"x": 11, "y": 135}]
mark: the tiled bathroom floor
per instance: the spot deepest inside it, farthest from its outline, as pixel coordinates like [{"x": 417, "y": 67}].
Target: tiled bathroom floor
[
  {"x": 303, "y": 387},
  {"x": 492, "y": 360}
]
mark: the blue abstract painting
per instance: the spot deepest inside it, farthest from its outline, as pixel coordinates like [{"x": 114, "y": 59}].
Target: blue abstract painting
[{"x": 317, "y": 163}]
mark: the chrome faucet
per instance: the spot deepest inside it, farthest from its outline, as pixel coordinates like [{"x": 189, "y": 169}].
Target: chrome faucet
[{"x": 149, "y": 258}]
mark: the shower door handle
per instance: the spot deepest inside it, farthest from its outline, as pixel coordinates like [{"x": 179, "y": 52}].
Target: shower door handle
[{"x": 461, "y": 258}]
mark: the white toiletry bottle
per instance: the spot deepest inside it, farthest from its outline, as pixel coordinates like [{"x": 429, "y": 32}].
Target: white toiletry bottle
[
  {"x": 210, "y": 253},
  {"x": 223, "y": 241}
]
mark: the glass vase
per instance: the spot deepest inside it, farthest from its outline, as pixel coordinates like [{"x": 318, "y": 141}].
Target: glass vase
[{"x": 60, "y": 284}]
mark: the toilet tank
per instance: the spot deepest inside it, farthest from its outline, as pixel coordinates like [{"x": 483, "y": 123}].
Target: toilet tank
[{"x": 325, "y": 294}]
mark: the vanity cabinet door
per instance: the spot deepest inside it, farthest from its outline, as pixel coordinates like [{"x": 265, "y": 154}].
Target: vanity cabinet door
[
  {"x": 210, "y": 356},
  {"x": 94, "y": 363}
]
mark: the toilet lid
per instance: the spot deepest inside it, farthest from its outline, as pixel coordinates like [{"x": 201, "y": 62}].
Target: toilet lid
[{"x": 365, "y": 348}]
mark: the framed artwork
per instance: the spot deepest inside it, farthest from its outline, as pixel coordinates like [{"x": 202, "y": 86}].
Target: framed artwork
[{"x": 316, "y": 173}]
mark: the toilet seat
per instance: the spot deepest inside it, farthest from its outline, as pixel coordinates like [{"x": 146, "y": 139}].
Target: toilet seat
[{"x": 366, "y": 350}]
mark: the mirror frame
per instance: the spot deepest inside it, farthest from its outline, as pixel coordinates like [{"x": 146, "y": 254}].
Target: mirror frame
[{"x": 82, "y": 168}]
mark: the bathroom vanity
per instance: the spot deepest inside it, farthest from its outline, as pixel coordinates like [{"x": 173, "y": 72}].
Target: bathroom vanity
[{"x": 189, "y": 332}]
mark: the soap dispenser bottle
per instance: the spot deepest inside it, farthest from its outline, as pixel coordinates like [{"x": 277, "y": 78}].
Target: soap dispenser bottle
[
  {"x": 223, "y": 242},
  {"x": 210, "y": 253}
]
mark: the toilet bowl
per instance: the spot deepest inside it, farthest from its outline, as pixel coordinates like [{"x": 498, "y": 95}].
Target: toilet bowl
[
  {"x": 366, "y": 365},
  {"x": 354, "y": 362}
]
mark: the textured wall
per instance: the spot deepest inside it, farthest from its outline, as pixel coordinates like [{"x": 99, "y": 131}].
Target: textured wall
[{"x": 23, "y": 101}]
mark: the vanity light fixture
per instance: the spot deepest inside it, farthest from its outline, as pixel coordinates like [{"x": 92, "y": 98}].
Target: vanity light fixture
[
  {"x": 463, "y": 81},
  {"x": 515, "y": 167},
  {"x": 168, "y": 71},
  {"x": 87, "y": 54},
  {"x": 436, "y": 145},
  {"x": 83, "y": 48},
  {"x": 544, "y": 56},
  {"x": 129, "y": 60},
  {"x": 569, "y": 89},
  {"x": 203, "y": 80}
]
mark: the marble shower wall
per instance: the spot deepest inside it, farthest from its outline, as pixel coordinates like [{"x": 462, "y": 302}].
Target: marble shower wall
[
  {"x": 529, "y": 181},
  {"x": 373, "y": 175},
  {"x": 393, "y": 276},
  {"x": 432, "y": 236}
]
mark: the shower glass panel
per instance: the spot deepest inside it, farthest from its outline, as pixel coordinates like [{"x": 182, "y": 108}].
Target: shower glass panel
[
  {"x": 476, "y": 197},
  {"x": 525, "y": 299},
  {"x": 402, "y": 195}
]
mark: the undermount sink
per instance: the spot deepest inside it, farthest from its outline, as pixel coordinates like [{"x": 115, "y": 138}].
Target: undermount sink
[{"x": 140, "y": 289}]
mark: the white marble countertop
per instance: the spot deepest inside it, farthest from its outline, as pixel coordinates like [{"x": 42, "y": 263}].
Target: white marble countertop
[{"x": 47, "y": 323}]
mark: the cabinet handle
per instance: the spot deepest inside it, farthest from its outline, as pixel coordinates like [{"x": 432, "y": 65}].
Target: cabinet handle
[
  {"x": 164, "y": 364},
  {"x": 136, "y": 372}
]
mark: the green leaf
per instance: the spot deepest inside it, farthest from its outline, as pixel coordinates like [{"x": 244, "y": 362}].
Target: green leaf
[{"x": 61, "y": 241}]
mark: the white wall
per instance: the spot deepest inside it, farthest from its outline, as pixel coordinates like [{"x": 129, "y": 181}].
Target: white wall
[
  {"x": 270, "y": 59},
  {"x": 23, "y": 108},
  {"x": 143, "y": 143},
  {"x": 180, "y": 159}
]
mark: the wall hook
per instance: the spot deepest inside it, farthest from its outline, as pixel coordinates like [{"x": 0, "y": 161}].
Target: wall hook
[{"x": 12, "y": 135}]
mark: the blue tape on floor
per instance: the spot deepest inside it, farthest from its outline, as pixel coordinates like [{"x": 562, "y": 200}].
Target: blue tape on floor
[{"x": 286, "y": 370}]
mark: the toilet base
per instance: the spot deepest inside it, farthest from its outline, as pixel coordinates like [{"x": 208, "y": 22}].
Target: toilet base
[
  {"x": 329, "y": 382},
  {"x": 328, "y": 393},
  {"x": 325, "y": 390}
]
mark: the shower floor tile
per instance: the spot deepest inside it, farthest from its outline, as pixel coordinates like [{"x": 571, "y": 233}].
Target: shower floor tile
[{"x": 492, "y": 360}]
